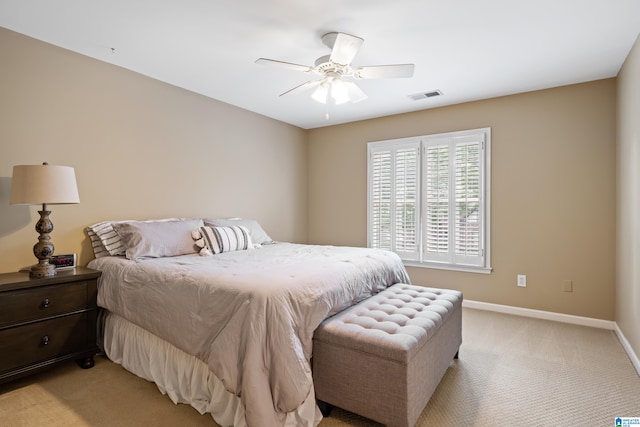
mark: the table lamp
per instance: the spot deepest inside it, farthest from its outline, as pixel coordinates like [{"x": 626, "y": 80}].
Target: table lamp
[{"x": 47, "y": 185}]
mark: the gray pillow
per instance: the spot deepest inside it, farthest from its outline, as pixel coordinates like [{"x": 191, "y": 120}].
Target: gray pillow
[
  {"x": 157, "y": 239},
  {"x": 106, "y": 241}
]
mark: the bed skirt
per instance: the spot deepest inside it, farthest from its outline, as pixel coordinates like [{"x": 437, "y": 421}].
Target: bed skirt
[{"x": 182, "y": 377}]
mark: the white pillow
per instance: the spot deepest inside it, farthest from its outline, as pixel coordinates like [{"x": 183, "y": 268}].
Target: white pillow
[
  {"x": 105, "y": 241},
  {"x": 258, "y": 235},
  {"x": 157, "y": 239}
]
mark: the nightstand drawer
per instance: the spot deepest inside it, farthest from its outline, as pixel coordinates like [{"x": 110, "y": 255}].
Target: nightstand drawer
[
  {"x": 38, "y": 303},
  {"x": 39, "y": 341}
]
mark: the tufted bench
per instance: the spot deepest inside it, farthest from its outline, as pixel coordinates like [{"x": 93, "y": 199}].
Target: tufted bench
[{"x": 384, "y": 357}]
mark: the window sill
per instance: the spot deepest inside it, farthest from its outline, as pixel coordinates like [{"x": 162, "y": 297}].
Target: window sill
[{"x": 435, "y": 266}]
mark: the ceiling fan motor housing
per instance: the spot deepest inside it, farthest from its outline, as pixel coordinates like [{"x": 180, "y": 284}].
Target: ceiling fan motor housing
[
  {"x": 329, "y": 39},
  {"x": 325, "y": 66}
]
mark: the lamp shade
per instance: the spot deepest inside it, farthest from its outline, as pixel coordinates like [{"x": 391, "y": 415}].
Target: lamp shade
[{"x": 43, "y": 184}]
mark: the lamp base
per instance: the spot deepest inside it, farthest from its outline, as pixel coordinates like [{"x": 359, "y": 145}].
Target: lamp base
[
  {"x": 43, "y": 250},
  {"x": 42, "y": 270}
]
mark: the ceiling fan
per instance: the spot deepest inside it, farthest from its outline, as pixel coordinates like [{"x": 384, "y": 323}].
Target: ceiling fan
[{"x": 337, "y": 74}]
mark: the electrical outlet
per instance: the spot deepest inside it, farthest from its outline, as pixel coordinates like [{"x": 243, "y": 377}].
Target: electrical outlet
[
  {"x": 567, "y": 285},
  {"x": 522, "y": 280}
]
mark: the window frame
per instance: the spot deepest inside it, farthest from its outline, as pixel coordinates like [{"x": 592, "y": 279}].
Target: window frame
[{"x": 418, "y": 259}]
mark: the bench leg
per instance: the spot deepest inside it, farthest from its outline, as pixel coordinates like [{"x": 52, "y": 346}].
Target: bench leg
[{"x": 325, "y": 408}]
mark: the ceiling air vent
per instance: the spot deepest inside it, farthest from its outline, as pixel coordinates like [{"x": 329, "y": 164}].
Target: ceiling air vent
[{"x": 425, "y": 95}]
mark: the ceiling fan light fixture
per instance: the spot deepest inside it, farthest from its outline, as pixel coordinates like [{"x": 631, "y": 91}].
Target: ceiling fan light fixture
[
  {"x": 355, "y": 93},
  {"x": 339, "y": 92},
  {"x": 321, "y": 93},
  {"x": 336, "y": 66}
]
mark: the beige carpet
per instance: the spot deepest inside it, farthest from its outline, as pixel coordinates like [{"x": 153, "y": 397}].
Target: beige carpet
[{"x": 512, "y": 371}]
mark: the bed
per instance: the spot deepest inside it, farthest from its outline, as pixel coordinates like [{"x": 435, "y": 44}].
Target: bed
[{"x": 230, "y": 332}]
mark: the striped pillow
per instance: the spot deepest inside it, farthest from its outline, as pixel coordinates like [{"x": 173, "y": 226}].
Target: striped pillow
[
  {"x": 98, "y": 248},
  {"x": 256, "y": 232},
  {"x": 104, "y": 239},
  {"x": 226, "y": 239}
]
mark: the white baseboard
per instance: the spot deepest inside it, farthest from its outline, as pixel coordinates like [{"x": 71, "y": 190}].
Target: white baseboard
[
  {"x": 539, "y": 314},
  {"x": 559, "y": 317},
  {"x": 627, "y": 347}
]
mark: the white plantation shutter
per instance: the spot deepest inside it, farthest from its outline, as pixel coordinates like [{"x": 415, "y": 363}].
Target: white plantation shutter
[
  {"x": 437, "y": 191},
  {"x": 429, "y": 199},
  {"x": 394, "y": 198},
  {"x": 380, "y": 199},
  {"x": 453, "y": 203},
  {"x": 406, "y": 200},
  {"x": 468, "y": 219}
]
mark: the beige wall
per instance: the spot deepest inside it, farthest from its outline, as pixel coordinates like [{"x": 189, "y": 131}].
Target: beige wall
[
  {"x": 628, "y": 232},
  {"x": 140, "y": 149},
  {"x": 553, "y": 194},
  {"x": 145, "y": 149}
]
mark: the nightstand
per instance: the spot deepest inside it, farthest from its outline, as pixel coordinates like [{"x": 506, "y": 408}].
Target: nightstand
[{"x": 45, "y": 321}]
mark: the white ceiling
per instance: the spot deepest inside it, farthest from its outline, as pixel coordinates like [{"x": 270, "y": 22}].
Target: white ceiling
[{"x": 468, "y": 49}]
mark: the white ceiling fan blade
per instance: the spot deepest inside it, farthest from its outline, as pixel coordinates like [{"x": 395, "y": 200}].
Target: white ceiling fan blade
[
  {"x": 302, "y": 87},
  {"x": 345, "y": 48},
  {"x": 384, "y": 71},
  {"x": 282, "y": 64},
  {"x": 355, "y": 93}
]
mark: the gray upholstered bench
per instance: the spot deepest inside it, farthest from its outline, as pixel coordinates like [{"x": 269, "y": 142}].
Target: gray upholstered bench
[{"x": 384, "y": 357}]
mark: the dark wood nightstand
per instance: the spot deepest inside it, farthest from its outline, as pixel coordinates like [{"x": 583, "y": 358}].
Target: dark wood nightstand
[{"x": 44, "y": 321}]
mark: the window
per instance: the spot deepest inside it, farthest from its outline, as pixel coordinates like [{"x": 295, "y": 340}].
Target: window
[{"x": 428, "y": 199}]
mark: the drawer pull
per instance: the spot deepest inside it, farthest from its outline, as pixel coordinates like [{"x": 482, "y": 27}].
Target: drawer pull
[
  {"x": 45, "y": 340},
  {"x": 45, "y": 303}
]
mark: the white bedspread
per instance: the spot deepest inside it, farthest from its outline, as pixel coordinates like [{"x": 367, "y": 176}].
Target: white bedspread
[{"x": 250, "y": 315}]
